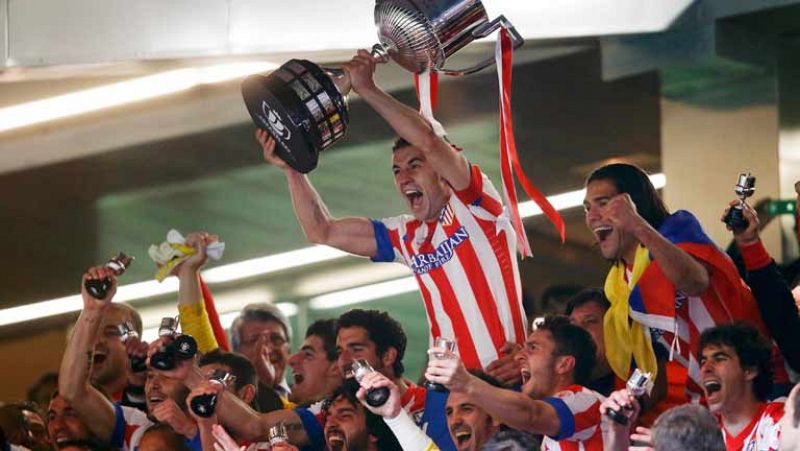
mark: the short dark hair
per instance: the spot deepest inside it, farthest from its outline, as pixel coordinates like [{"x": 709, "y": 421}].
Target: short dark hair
[
  {"x": 586, "y": 296},
  {"x": 554, "y": 297},
  {"x": 239, "y": 365},
  {"x": 375, "y": 425},
  {"x": 382, "y": 329},
  {"x": 176, "y": 441},
  {"x": 573, "y": 341},
  {"x": 50, "y": 377},
  {"x": 325, "y": 329},
  {"x": 633, "y": 180},
  {"x": 752, "y": 349},
  {"x": 688, "y": 426},
  {"x": 400, "y": 143}
]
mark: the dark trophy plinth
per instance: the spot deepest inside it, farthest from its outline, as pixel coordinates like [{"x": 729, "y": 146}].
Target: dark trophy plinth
[{"x": 301, "y": 107}]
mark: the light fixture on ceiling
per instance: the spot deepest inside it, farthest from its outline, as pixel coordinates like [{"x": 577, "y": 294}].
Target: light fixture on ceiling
[
  {"x": 255, "y": 267},
  {"x": 363, "y": 294},
  {"x": 124, "y": 92},
  {"x": 272, "y": 263}
]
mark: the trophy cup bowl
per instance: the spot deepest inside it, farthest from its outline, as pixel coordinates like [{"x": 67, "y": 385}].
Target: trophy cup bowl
[{"x": 304, "y": 106}]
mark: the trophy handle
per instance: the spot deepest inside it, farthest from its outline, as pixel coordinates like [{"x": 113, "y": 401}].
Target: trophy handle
[
  {"x": 482, "y": 31},
  {"x": 342, "y": 80}
]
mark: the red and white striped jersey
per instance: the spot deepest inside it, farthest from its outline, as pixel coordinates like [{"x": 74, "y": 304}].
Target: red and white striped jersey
[
  {"x": 129, "y": 426},
  {"x": 578, "y": 410},
  {"x": 762, "y": 434},
  {"x": 466, "y": 268}
]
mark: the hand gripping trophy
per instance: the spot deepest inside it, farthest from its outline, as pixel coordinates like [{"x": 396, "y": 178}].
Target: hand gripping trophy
[{"x": 304, "y": 106}]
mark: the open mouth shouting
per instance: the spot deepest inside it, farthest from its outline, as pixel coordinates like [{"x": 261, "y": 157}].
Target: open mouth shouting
[
  {"x": 526, "y": 375},
  {"x": 99, "y": 357},
  {"x": 602, "y": 233},
  {"x": 713, "y": 389},
  {"x": 63, "y": 436},
  {"x": 298, "y": 377},
  {"x": 462, "y": 435},
  {"x": 335, "y": 438},
  {"x": 413, "y": 195},
  {"x": 155, "y": 399}
]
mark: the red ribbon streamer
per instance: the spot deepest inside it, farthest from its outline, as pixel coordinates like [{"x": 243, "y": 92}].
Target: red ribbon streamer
[
  {"x": 434, "y": 91},
  {"x": 213, "y": 318},
  {"x": 509, "y": 158}
]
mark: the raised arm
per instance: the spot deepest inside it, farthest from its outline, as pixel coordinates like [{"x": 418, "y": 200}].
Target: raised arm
[
  {"x": 773, "y": 295},
  {"x": 238, "y": 417},
  {"x": 511, "y": 408},
  {"x": 684, "y": 271},
  {"x": 193, "y": 315},
  {"x": 407, "y": 122},
  {"x": 96, "y": 411},
  {"x": 353, "y": 235}
]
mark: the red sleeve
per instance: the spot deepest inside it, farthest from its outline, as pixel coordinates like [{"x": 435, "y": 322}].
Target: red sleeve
[
  {"x": 755, "y": 256},
  {"x": 475, "y": 193}
]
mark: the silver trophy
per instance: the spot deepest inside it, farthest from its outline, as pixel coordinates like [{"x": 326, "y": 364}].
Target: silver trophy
[
  {"x": 637, "y": 386},
  {"x": 277, "y": 434},
  {"x": 304, "y": 106},
  {"x": 745, "y": 187}
]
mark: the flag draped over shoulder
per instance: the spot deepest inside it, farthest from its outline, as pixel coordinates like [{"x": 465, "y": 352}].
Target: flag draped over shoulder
[{"x": 646, "y": 306}]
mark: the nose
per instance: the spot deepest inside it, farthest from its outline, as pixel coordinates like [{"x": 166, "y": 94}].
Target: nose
[
  {"x": 592, "y": 214},
  {"x": 344, "y": 359},
  {"x": 155, "y": 382},
  {"x": 294, "y": 359},
  {"x": 401, "y": 176},
  {"x": 57, "y": 423},
  {"x": 331, "y": 423}
]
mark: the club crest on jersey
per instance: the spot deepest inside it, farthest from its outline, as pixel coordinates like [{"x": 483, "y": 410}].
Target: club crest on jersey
[
  {"x": 428, "y": 261},
  {"x": 447, "y": 215}
]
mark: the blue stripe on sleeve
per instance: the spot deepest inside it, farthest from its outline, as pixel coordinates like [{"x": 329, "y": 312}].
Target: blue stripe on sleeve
[
  {"x": 567, "y": 420},
  {"x": 118, "y": 436},
  {"x": 313, "y": 429},
  {"x": 385, "y": 252},
  {"x": 195, "y": 444}
]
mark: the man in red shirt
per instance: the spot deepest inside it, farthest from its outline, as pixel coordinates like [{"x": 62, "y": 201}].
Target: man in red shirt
[
  {"x": 736, "y": 373},
  {"x": 558, "y": 359}
]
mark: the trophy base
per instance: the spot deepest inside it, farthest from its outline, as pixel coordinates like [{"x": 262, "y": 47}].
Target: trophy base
[{"x": 300, "y": 106}]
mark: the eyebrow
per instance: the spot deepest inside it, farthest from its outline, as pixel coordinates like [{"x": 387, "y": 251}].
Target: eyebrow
[
  {"x": 308, "y": 348},
  {"x": 715, "y": 354}
]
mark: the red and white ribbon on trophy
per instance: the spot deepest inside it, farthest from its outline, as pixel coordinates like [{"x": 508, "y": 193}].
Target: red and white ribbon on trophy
[{"x": 427, "y": 91}]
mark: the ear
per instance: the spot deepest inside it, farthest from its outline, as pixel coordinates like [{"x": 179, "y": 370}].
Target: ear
[
  {"x": 333, "y": 370},
  {"x": 565, "y": 364},
  {"x": 495, "y": 424},
  {"x": 750, "y": 374},
  {"x": 389, "y": 357},
  {"x": 247, "y": 393}
]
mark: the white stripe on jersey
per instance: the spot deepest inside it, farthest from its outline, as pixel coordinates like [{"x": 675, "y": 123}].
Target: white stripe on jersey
[
  {"x": 492, "y": 272},
  {"x": 445, "y": 325}
]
